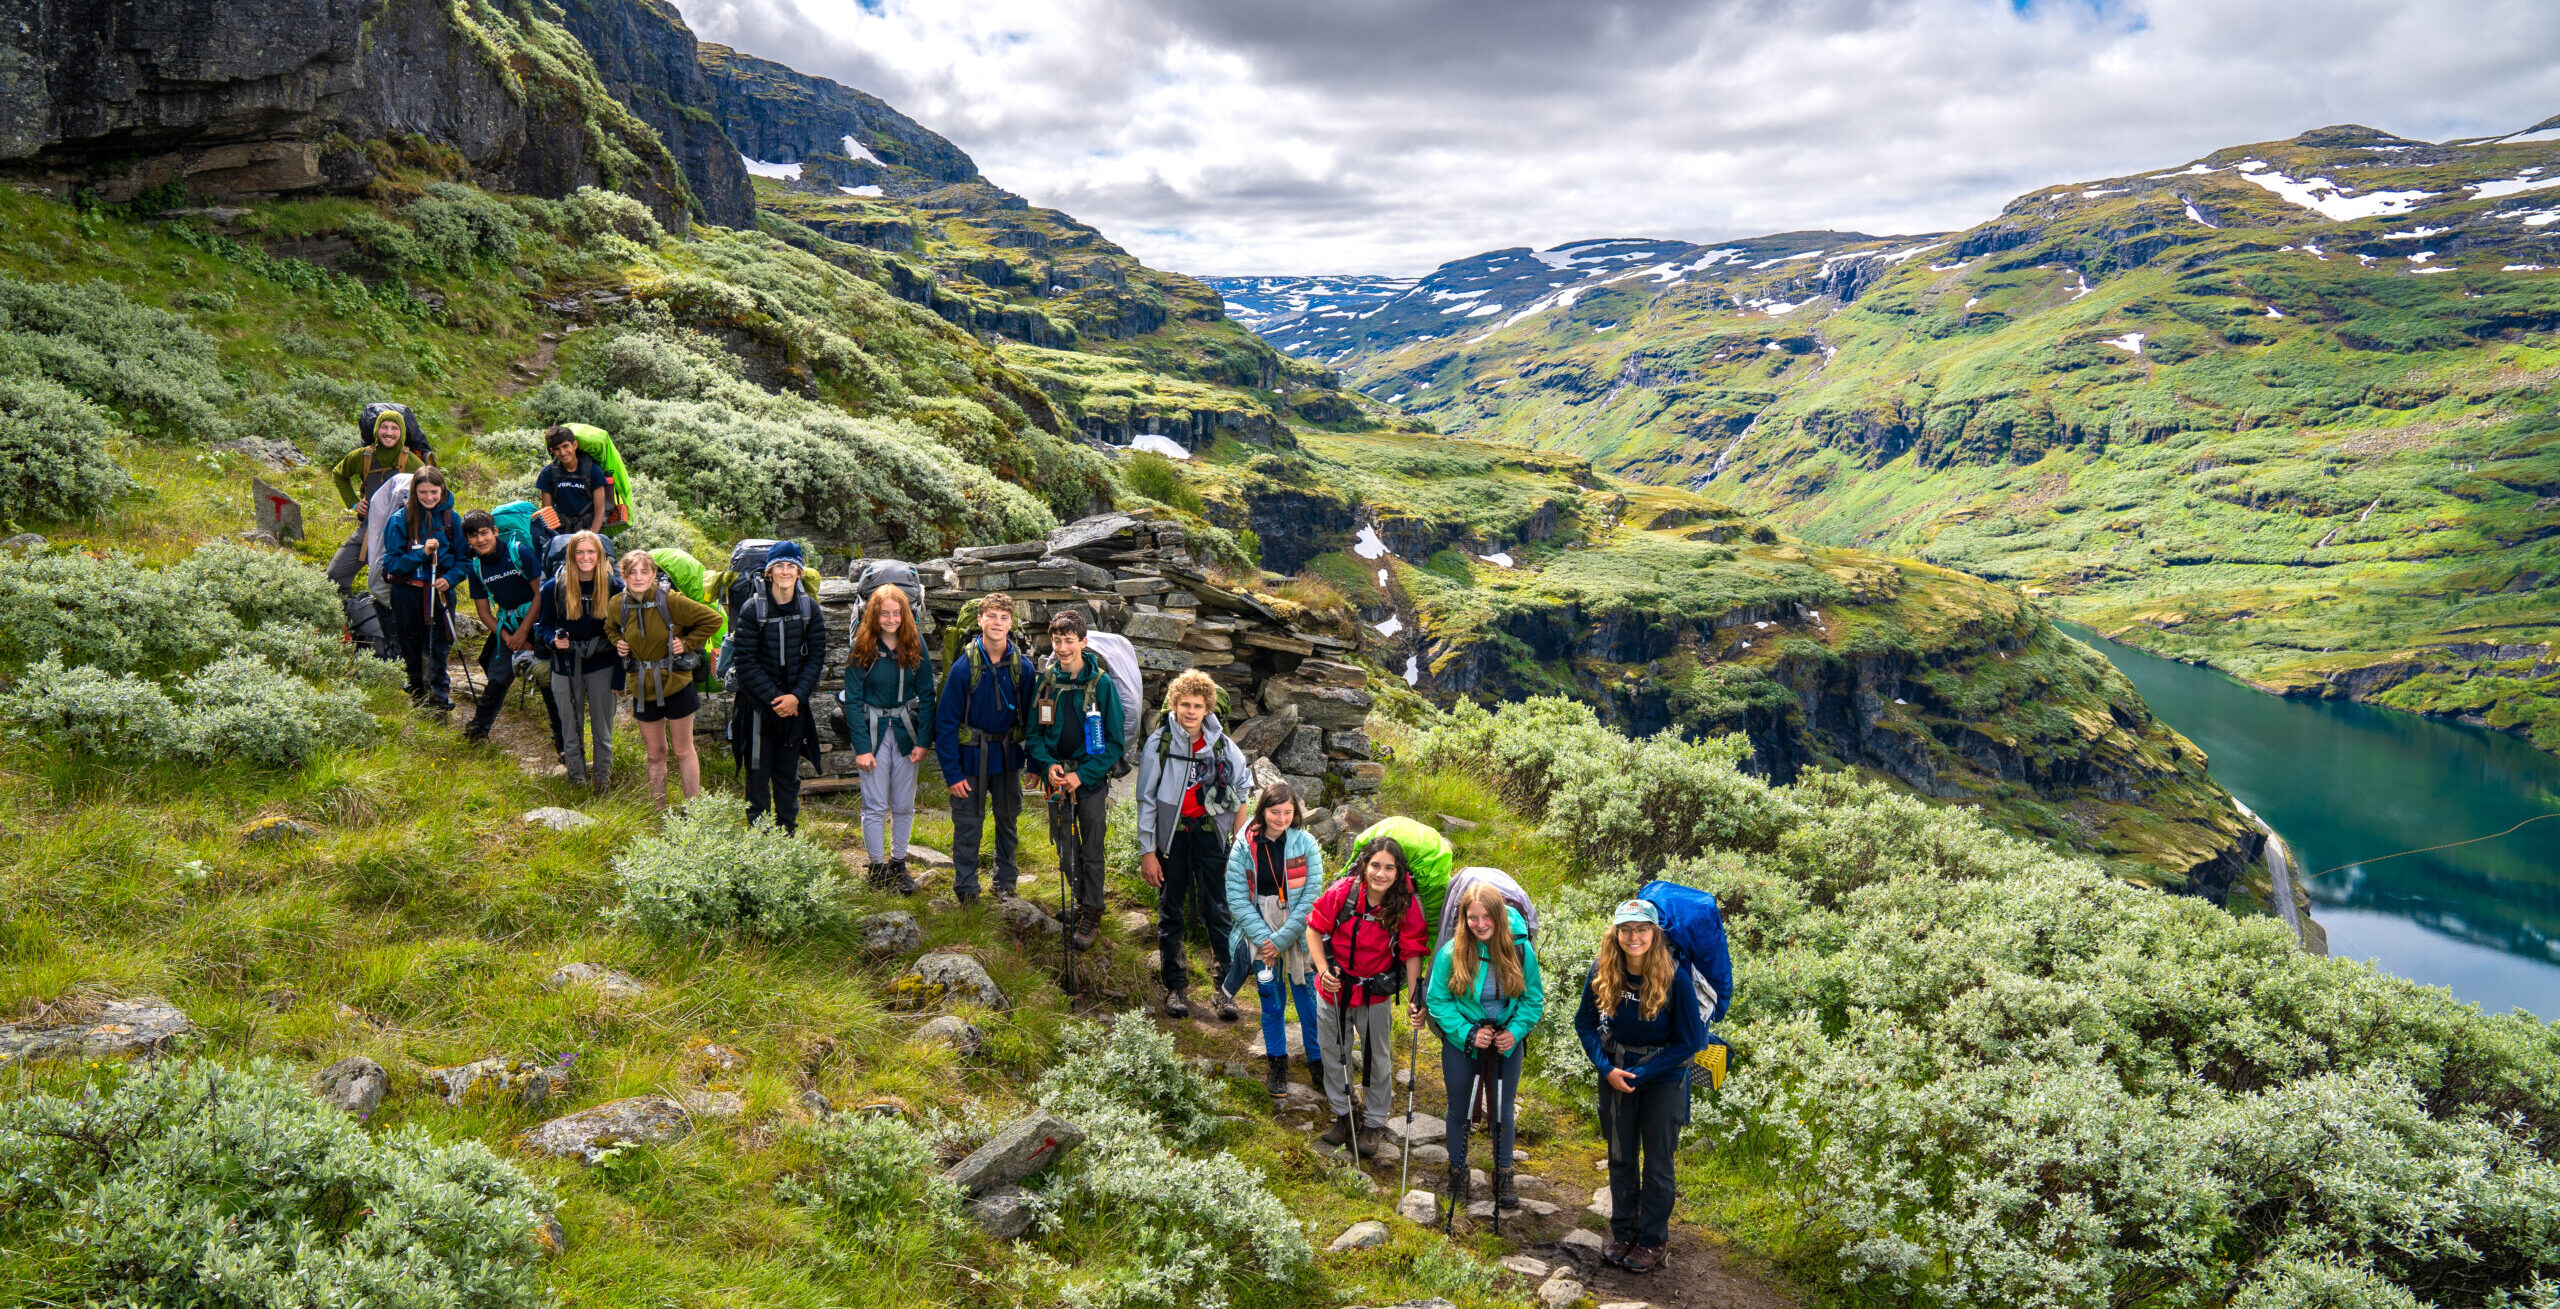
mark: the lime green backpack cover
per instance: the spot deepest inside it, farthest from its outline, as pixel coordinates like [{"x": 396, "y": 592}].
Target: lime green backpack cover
[
  {"x": 1425, "y": 849},
  {"x": 596, "y": 444}
]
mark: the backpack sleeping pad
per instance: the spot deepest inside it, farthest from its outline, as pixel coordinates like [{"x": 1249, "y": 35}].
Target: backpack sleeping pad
[
  {"x": 1425, "y": 850},
  {"x": 1465, "y": 879}
]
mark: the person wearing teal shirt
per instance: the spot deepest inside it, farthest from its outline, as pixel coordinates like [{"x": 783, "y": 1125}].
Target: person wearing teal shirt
[
  {"x": 1484, "y": 995},
  {"x": 1076, "y": 768}
]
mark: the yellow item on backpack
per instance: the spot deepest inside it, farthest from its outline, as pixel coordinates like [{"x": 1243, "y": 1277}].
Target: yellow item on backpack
[{"x": 1711, "y": 1057}]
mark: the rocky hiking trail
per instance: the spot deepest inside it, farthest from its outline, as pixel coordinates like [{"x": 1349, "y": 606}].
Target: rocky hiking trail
[{"x": 1553, "y": 1241}]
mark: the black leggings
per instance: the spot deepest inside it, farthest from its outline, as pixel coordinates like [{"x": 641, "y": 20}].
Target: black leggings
[
  {"x": 1458, "y": 1073},
  {"x": 1642, "y": 1128}
]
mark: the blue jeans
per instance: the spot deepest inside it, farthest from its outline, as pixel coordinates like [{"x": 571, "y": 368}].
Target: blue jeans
[{"x": 1275, "y": 994}]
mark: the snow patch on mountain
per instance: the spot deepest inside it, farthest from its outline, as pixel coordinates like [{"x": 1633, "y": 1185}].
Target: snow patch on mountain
[
  {"x": 778, "y": 172},
  {"x": 2328, "y": 199}
]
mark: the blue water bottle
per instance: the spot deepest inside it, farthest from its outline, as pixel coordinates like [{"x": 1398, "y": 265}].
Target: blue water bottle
[{"x": 1092, "y": 728}]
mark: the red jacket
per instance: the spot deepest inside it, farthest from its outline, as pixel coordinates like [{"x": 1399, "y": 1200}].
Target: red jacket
[{"x": 1357, "y": 943}]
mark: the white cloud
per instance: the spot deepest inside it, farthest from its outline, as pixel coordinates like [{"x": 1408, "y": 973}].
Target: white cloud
[{"x": 1389, "y": 135}]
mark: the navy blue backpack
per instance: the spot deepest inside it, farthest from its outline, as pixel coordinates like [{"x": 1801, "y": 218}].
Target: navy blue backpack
[{"x": 1694, "y": 926}]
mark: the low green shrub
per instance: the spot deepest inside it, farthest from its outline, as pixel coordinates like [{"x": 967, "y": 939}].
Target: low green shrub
[
  {"x": 711, "y": 873},
  {"x": 83, "y": 710},
  {"x": 1189, "y": 1230},
  {"x": 243, "y": 707},
  {"x": 192, "y": 1184},
  {"x": 1154, "y": 476},
  {"x": 593, "y": 213},
  {"x": 54, "y": 446},
  {"x": 458, "y": 225},
  {"x": 876, "y": 1173},
  {"x": 110, "y": 611},
  {"x": 147, "y": 364}
]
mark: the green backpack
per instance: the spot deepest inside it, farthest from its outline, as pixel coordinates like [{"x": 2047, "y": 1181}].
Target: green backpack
[{"x": 1425, "y": 850}]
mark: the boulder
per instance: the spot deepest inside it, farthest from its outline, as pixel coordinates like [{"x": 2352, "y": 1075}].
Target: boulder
[
  {"x": 354, "y": 1084},
  {"x": 279, "y": 515},
  {"x": 1134, "y": 922},
  {"x": 1330, "y": 707},
  {"x": 816, "y": 1103},
  {"x": 961, "y": 978},
  {"x": 1432, "y": 1156},
  {"x": 116, "y": 1029},
  {"x": 1361, "y": 777},
  {"x": 1025, "y": 917},
  {"x": 894, "y": 932},
  {"x": 1305, "y": 752},
  {"x": 276, "y": 829},
  {"x": 1156, "y": 659},
  {"x": 1023, "y": 1147},
  {"x": 1419, "y": 1207},
  {"x": 611, "y": 983},
  {"x": 557, "y": 819},
  {"x": 1349, "y": 745},
  {"x": 587, "y": 1134},
  {"x": 522, "y": 1080},
  {"x": 1086, "y": 577},
  {"x": 958, "y": 1033},
  {"x": 23, "y": 541},
  {"x": 930, "y": 858},
  {"x": 1259, "y": 737},
  {"x": 1359, "y": 1236},
  {"x": 1004, "y": 1213},
  {"x": 1559, "y": 1291}
]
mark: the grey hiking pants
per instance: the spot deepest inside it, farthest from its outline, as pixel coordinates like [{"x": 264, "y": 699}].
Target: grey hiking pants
[
  {"x": 349, "y": 558},
  {"x": 888, "y": 805},
  {"x": 600, "y": 704},
  {"x": 1372, "y": 1027}
]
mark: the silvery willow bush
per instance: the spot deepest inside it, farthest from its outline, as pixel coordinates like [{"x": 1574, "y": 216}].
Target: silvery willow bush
[
  {"x": 192, "y": 1184},
  {"x": 1194, "y": 1226},
  {"x": 54, "y": 458},
  {"x": 150, "y": 366},
  {"x": 2005, "y": 1078},
  {"x": 241, "y": 706},
  {"x": 711, "y": 872},
  {"x": 877, "y": 1173},
  {"x": 85, "y": 711}
]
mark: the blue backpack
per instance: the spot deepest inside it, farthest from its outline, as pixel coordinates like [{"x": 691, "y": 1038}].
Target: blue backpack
[{"x": 1694, "y": 926}]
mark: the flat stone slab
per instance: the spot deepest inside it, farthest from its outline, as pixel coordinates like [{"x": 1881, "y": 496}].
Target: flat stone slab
[
  {"x": 117, "y": 1029},
  {"x": 1529, "y": 1266},
  {"x": 927, "y": 856},
  {"x": 1602, "y": 1204},
  {"x": 1423, "y": 1127},
  {"x": 587, "y": 1134},
  {"x": 556, "y": 818},
  {"x": 611, "y": 983}
]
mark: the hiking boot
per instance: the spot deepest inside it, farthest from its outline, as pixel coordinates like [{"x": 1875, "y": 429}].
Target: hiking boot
[
  {"x": 1315, "y": 1073},
  {"x": 1642, "y": 1259},
  {"x": 1176, "y": 1005},
  {"x": 1278, "y": 1081},
  {"x": 1505, "y": 1195},
  {"x": 1614, "y": 1254},
  {"x": 475, "y": 733},
  {"x": 899, "y": 879},
  {"x": 1337, "y": 1134},
  {"x": 1461, "y": 1187},
  {"x": 1088, "y": 929},
  {"x": 1373, "y": 1142},
  {"x": 1226, "y": 1005}
]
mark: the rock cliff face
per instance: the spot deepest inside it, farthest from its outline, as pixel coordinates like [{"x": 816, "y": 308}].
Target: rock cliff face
[
  {"x": 777, "y": 114},
  {"x": 252, "y": 98},
  {"x": 648, "y": 59}
]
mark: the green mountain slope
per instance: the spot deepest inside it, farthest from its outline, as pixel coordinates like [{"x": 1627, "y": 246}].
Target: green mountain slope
[{"x": 2284, "y": 409}]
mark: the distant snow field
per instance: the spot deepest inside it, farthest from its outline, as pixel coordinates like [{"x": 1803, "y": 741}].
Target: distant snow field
[
  {"x": 2327, "y": 198},
  {"x": 1163, "y": 445},
  {"x": 2130, "y": 342},
  {"x": 1501, "y": 558},
  {"x": 1367, "y": 545},
  {"x": 778, "y": 172},
  {"x": 859, "y": 190}
]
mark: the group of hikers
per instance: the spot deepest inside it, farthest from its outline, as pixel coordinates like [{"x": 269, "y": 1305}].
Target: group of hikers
[{"x": 1221, "y": 853}]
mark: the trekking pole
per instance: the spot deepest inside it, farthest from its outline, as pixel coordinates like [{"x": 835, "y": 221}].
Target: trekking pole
[{"x": 1412, "y": 1088}]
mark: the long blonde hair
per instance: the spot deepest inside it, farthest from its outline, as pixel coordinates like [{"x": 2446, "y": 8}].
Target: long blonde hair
[
  {"x": 1609, "y": 977},
  {"x": 1507, "y": 977},
  {"x": 575, "y": 599}
]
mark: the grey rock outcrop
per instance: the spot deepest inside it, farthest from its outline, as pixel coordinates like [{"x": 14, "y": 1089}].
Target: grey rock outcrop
[
  {"x": 587, "y": 1134},
  {"x": 776, "y": 113},
  {"x": 256, "y": 98},
  {"x": 961, "y": 978},
  {"x": 354, "y": 1084},
  {"x": 1004, "y": 1213},
  {"x": 894, "y": 932},
  {"x": 116, "y": 1029},
  {"x": 526, "y": 1082},
  {"x": 650, "y": 61}
]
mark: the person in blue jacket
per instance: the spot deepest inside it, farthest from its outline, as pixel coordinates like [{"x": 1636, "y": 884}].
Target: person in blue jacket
[
  {"x": 1484, "y": 996},
  {"x": 424, "y": 559},
  {"x": 1275, "y": 870},
  {"x": 1640, "y": 1024},
  {"x": 977, "y": 739}
]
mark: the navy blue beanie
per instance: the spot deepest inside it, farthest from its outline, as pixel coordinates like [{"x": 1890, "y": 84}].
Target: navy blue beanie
[{"x": 784, "y": 550}]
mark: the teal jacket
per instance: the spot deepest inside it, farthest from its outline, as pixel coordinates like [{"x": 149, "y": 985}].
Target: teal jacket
[
  {"x": 1456, "y": 1016},
  {"x": 1250, "y": 931},
  {"x": 1063, "y": 741},
  {"x": 886, "y": 685}
]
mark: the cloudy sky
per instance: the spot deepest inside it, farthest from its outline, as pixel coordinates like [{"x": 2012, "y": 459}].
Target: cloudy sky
[{"x": 1300, "y": 136}]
